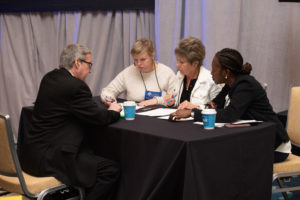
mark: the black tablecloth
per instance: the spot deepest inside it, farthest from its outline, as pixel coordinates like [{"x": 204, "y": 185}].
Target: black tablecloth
[{"x": 180, "y": 160}]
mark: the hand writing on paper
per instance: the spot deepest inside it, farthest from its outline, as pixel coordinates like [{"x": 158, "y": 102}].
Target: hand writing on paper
[{"x": 169, "y": 99}]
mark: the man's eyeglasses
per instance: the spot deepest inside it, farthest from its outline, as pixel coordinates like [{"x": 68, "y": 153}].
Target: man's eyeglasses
[{"x": 89, "y": 63}]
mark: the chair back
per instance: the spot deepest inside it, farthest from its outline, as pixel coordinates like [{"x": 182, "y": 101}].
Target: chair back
[
  {"x": 13, "y": 180},
  {"x": 293, "y": 121},
  {"x": 7, "y": 164}
]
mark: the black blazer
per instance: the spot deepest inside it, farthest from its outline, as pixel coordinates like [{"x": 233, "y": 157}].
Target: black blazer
[
  {"x": 56, "y": 145},
  {"x": 248, "y": 100}
]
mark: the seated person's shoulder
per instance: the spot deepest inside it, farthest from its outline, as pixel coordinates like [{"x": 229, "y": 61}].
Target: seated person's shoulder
[
  {"x": 131, "y": 69},
  {"x": 249, "y": 82},
  {"x": 249, "y": 79}
]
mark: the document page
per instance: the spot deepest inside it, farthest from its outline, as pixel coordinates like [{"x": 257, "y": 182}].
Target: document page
[
  {"x": 157, "y": 112},
  {"x": 182, "y": 119},
  {"x": 239, "y": 122}
]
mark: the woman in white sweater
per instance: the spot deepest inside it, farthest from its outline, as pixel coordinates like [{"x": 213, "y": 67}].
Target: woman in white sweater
[{"x": 143, "y": 80}]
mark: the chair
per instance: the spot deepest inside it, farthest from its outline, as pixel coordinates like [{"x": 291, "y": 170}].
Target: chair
[
  {"x": 291, "y": 166},
  {"x": 14, "y": 180}
]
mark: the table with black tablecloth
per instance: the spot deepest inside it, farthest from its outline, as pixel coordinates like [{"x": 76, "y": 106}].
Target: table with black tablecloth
[{"x": 162, "y": 160}]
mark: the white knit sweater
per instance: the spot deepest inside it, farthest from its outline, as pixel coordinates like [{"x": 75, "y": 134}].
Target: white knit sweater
[{"x": 130, "y": 81}]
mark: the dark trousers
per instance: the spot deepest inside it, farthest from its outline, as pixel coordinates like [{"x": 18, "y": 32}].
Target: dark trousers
[
  {"x": 106, "y": 181},
  {"x": 279, "y": 157}
]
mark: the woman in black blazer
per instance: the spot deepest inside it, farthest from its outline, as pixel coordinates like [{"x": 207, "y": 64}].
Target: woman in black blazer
[{"x": 242, "y": 97}]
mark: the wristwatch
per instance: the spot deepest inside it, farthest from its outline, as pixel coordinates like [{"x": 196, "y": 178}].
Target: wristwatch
[{"x": 193, "y": 112}]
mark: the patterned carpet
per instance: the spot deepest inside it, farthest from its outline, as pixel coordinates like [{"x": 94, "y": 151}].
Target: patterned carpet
[
  {"x": 295, "y": 195},
  {"x": 293, "y": 181}
]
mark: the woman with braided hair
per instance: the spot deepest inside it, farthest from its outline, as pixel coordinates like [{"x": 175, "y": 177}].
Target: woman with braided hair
[{"x": 242, "y": 97}]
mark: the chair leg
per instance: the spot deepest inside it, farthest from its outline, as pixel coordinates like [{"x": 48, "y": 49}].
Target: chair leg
[
  {"x": 284, "y": 194},
  {"x": 3, "y": 192}
]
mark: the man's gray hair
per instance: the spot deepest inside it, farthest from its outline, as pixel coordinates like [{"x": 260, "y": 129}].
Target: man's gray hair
[{"x": 71, "y": 53}]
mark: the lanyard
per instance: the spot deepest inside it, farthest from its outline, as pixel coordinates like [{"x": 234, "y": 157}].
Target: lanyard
[{"x": 156, "y": 80}]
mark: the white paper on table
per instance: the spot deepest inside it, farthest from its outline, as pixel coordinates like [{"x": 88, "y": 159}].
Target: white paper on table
[
  {"x": 246, "y": 121},
  {"x": 158, "y": 112},
  {"x": 182, "y": 119},
  {"x": 237, "y": 122}
]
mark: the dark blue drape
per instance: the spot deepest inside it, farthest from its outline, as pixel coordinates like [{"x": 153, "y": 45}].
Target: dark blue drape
[{"x": 65, "y": 5}]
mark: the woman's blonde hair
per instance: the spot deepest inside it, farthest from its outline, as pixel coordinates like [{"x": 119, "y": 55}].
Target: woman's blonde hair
[
  {"x": 192, "y": 49},
  {"x": 141, "y": 45}
]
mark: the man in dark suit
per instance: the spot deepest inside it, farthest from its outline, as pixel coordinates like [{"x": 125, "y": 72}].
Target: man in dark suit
[{"x": 56, "y": 144}]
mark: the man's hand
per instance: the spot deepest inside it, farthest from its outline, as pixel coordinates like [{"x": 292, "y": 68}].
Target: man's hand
[{"x": 115, "y": 107}]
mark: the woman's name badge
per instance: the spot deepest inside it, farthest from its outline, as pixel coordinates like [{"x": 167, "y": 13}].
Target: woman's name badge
[{"x": 151, "y": 94}]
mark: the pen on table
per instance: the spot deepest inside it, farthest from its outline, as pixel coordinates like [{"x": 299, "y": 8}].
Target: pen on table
[
  {"x": 172, "y": 98},
  {"x": 146, "y": 109},
  {"x": 111, "y": 100}
]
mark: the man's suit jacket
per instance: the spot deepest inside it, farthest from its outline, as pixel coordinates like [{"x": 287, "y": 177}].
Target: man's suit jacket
[{"x": 56, "y": 143}]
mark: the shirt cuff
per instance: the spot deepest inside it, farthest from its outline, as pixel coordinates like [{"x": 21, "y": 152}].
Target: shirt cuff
[{"x": 160, "y": 100}]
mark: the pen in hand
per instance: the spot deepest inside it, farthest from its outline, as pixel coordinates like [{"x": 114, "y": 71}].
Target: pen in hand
[
  {"x": 172, "y": 98},
  {"x": 111, "y": 100}
]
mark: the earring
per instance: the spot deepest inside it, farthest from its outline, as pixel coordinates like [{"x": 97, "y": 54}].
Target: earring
[{"x": 226, "y": 77}]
